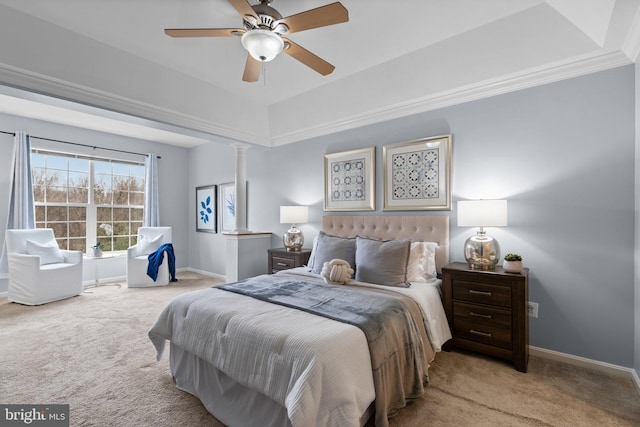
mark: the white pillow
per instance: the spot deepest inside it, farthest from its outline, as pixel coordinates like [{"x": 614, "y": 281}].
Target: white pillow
[
  {"x": 49, "y": 252},
  {"x": 147, "y": 245},
  {"x": 415, "y": 267},
  {"x": 430, "y": 268},
  {"x": 422, "y": 262}
]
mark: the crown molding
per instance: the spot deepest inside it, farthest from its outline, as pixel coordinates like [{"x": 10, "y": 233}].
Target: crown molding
[
  {"x": 50, "y": 86},
  {"x": 577, "y": 66},
  {"x": 631, "y": 46}
]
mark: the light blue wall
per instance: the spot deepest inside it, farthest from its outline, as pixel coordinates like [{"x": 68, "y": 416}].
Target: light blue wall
[
  {"x": 562, "y": 154},
  {"x": 172, "y": 176},
  {"x": 209, "y": 164},
  {"x": 636, "y": 363}
]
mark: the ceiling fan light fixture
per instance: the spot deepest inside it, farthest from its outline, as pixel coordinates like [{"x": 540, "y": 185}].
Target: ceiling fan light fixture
[{"x": 262, "y": 45}]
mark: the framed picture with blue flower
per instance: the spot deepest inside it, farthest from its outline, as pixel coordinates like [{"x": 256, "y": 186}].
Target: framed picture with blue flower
[
  {"x": 227, "y": 203},
  {"x": 207, "y": 209},
  {"x": 350, "y": 180},
  {"x": 417, "y": 175}
]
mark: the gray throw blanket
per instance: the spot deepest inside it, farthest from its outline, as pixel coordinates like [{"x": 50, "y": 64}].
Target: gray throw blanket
[{"x": 391, "y": 322}]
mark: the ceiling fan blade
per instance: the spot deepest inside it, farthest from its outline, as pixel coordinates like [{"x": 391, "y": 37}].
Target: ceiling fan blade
[
  {"x": 252, "y": 70},
  {"x": 203, "y": 32},
  {"x": 334, "y": 13},
  {"x": 307, "y": 58},
  {"x": 244, "y": 9}
]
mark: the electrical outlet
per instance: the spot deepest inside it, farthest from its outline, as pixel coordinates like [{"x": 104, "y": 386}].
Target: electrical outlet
[{"x": 532, "y": 308}]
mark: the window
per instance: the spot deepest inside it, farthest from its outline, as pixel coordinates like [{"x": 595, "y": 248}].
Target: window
[{"x": 86, "y": 200}]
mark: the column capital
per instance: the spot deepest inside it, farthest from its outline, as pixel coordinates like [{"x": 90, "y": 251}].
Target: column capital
[{"x": 239, "y": 146}]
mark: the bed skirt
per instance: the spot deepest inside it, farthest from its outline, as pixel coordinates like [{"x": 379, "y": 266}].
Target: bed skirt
[{"x": 231, "y": 403}]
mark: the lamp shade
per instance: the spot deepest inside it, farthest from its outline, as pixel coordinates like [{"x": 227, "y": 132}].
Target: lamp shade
[
  {"x": 294, "y": 214},
  {"x": 262, "y": 45},
  {"x": 482, "y": 213}
]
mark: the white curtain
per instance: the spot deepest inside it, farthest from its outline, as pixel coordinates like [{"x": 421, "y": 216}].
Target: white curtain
[
  {"x": 21, "y": 208},
  {"x": 151, "y": 207}
]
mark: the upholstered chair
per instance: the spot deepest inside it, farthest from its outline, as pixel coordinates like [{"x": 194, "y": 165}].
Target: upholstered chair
[
  {"x": 149, "y": 240},
  {"x": 39, "y": 271}
]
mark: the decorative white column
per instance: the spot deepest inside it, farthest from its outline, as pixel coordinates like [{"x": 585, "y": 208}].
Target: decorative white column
[
  {"x": 246, "y": 251},
  {"x": 241, "y": 189}
]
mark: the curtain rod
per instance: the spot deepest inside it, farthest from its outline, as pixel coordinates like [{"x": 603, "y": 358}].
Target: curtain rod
[{"x": 81, "y": 145}]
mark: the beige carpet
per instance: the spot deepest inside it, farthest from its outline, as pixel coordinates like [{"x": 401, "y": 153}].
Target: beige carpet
[{"x": 93, "y": 353}]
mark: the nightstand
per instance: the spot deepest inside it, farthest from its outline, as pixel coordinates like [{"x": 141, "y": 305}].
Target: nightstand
[
  {"x": 282, "y": 259},
  {"x": 487, "y": 311}
]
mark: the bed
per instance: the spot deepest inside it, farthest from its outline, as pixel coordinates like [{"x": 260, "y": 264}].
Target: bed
[{"x": 253, "y": 360}]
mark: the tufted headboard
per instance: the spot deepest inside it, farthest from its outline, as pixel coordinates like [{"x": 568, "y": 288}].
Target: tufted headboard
[{"x": 424, "y": 228}]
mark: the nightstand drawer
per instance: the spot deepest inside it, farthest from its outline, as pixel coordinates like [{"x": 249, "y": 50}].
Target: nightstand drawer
[
  {"x": 482, "y": 293},
  {"x": 282, "y": 259},
  {"x": 482, "y": 315},
  {"x": 280, "y": 263},
  {"x": 474, "y": 331}
]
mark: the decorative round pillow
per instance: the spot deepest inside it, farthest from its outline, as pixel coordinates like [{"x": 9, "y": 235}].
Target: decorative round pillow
[{"x": 336, "y": 272}]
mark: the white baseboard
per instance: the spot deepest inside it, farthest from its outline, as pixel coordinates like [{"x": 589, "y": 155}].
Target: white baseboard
[
  {"x": 205, "y": 273},
  {"x": 583, "y": 362},
  {"x": 123, "y": 279},
  {"x": 120, "y": 279}
]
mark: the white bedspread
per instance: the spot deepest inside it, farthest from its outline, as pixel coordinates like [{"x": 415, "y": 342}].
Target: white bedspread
[
  {"x": 319, "y": 369},
  {"x": 427, "y": 295}
]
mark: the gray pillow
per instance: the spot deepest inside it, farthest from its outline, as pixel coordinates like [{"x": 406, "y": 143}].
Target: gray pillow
[
  {"x": 382, "y": 262},
  {"x": 330, "y": 247}
]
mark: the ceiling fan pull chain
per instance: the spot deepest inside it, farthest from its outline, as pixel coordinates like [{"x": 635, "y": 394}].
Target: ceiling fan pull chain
[{"x": 264, "y": 75}]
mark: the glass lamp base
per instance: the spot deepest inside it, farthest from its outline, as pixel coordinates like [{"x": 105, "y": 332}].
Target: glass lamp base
[
  {"x": 482, "y": 252},
  {"x": 293, "y": 239}
]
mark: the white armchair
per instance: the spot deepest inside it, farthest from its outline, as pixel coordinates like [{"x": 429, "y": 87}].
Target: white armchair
[
  {"x": 149, "y": 240},
  {"x": 39, "y": 272}
]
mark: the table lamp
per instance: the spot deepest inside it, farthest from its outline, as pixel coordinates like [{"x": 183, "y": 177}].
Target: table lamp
[
  {"x": 481, "y": 251},
  {"x": 293, "y": 238}
]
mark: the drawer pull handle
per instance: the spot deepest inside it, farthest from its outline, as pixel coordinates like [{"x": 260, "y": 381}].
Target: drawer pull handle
[
  {"x": 484, "y": 316},
  {"x": 482, "y": 334},
  {"x": 483, "y": 293},
  {"x": 282, "y": 264}
]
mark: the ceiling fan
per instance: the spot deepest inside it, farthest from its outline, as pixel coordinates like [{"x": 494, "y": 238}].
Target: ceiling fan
[{"x": 262, "y": 35}]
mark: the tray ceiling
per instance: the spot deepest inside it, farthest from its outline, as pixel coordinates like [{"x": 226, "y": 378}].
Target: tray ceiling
[{"x": 392, "y": 59}]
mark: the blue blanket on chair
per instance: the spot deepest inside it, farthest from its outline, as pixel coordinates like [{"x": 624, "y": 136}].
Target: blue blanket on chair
[{"x": 155, "y": 259}]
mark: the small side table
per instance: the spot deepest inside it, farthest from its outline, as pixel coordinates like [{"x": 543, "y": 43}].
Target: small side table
[
  {"x": 282, "y": 259},
  {"x": 487, "y": 311},
  {"x": 96, "y": 282}
]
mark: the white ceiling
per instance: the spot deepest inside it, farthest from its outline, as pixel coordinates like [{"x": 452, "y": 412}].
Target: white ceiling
[{"x": 391, "y": 58}]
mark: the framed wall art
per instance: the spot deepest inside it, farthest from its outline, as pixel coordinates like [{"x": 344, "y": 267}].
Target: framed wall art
[
  {"x": 227, "y": 206},
  {"x": 227, "y": 195},
  {"x": 206, "y": 209},
  {"x": 350, "y": 181},
  {"x": 417, "y": 175}
]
